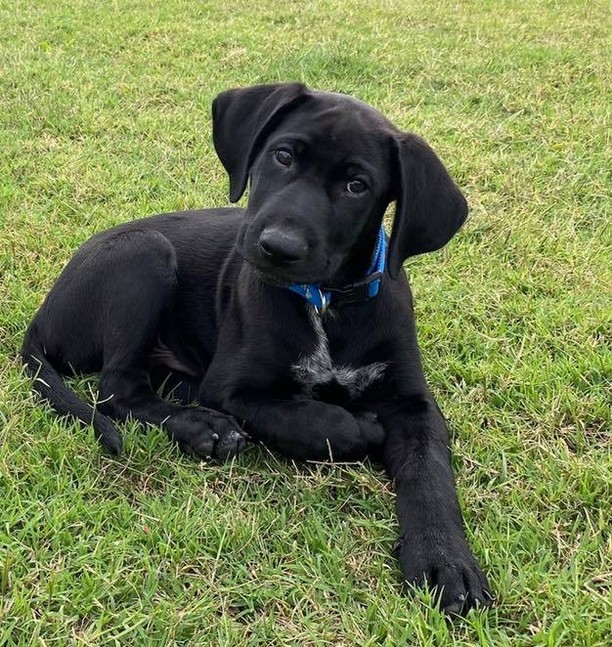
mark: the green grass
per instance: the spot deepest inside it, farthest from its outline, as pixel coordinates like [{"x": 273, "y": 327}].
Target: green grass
[{"x": 105, "y": 116}]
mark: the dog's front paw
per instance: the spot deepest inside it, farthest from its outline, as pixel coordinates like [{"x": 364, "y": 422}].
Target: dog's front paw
[
  {"x": 451, "y": 572},
  {"x": 206, "y": 433},
  {"x": 371, "y": 430}
]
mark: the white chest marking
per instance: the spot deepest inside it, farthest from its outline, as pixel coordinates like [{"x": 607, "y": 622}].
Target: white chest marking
[{"x": 317, "y": 367}]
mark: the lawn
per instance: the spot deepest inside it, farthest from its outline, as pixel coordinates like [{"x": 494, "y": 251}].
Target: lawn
[{"x": 105, "y": 117}]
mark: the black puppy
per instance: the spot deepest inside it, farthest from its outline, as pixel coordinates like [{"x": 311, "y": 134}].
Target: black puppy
[{"x": 291, "y": 315}]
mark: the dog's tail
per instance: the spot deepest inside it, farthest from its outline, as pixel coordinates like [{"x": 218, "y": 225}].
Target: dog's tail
[{"x": 48, "y": 383}]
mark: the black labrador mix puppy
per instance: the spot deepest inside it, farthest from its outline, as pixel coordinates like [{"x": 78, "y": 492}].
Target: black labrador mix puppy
[{"x": 291, "y": 319}]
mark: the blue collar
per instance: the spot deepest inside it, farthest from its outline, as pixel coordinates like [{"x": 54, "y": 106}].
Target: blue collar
[{"x": 320, "y": 297}]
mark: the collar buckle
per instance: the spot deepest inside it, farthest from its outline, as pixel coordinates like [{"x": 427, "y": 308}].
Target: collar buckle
[{"x": 359, "y": 291}]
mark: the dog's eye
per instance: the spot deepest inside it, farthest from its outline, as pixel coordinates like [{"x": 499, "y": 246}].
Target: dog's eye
[
  {"x": 283, "y": 156},
  {"x": 356, "y": 187}
]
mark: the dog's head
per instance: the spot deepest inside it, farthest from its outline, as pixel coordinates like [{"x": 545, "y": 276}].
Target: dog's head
[{"x": 323, "y": 168}]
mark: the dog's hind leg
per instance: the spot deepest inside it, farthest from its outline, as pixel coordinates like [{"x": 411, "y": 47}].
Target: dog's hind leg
[
  {"x": 142, "y": 268},
  {"x": 175, "y": 386}
]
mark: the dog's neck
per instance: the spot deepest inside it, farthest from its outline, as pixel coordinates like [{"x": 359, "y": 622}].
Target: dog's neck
[{"x": 347, "y": 290}]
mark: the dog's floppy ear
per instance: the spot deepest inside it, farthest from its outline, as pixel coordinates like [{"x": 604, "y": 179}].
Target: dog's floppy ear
[
  {"x": 242, "y": 118},
  {"x": 430, "y": 208}
]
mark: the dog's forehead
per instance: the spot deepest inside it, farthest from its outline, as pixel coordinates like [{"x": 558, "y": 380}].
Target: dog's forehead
[
  {"x": 340, "y": 121},
  {"x": 335, "y": 101}
]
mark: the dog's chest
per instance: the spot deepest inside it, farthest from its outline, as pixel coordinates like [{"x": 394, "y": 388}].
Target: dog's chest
[{"x": 316, "y": 368}]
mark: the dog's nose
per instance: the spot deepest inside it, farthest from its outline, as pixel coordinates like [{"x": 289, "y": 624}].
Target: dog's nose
[{"x": 282, "y": 246}]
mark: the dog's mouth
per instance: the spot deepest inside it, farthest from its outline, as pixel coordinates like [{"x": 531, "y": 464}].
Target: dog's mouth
[
  {"x": 266, "y": 277},
  {"x": 281, "y": 277}
]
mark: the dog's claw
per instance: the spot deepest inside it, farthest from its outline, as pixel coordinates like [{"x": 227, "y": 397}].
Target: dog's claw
[
  {"x": 112, "y": 445},
  {"x": 229, "y": 445},
  {"x": 458, "y": 583}
]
